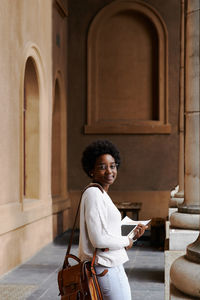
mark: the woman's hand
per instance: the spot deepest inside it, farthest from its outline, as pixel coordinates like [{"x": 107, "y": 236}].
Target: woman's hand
[
  {"x": 139, "y": 231},
  {"x": 130, "y": 244}
]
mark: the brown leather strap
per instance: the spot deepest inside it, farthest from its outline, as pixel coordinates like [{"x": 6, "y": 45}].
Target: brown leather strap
[
  {"x": 98, "y": 290},
  {"x": 76, "y": 217},
  {"x": 92, "y": 266},
  {"x": 94, "y": 276}
]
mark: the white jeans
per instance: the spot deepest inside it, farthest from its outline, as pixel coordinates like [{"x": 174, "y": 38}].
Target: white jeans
[{"x": 114, "y": 285}]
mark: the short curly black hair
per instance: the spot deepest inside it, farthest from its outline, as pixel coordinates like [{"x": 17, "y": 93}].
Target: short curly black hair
[{"x": 94, "y": 150}]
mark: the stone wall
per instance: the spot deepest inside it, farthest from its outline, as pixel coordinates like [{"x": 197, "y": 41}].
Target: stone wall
[
  {"x": 149, "y": 161},
  {"x": 26, "y": 125}
]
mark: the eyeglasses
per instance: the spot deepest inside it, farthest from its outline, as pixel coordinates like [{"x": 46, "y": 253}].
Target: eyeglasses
[{"x": 103, "y": 167}]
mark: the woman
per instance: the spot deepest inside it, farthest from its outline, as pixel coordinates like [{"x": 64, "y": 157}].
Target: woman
[{"x": 100, "y": 222}]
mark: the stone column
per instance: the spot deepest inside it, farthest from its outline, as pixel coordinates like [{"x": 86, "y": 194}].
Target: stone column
[
  {"x": 185, "y": 271},
  {"x": 188, "y": 213},
  {"x": 178, "y": 198}
]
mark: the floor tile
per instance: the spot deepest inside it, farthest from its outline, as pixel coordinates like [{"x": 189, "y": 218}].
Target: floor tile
[{"x": 37, "y": 277}]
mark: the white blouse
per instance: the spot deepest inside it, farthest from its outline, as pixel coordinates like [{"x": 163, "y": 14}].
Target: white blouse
[{"x": 100, "y": 227}]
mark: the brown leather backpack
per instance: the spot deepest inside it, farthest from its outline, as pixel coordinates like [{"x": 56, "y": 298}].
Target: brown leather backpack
[{"x": 79, "y": 281}]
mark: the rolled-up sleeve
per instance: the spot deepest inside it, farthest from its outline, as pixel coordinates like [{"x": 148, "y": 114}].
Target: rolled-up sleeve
[{"x": 96, "y": 221}]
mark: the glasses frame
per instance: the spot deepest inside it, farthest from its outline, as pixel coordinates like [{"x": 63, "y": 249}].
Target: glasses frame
[{"x": 104, "y": 167}]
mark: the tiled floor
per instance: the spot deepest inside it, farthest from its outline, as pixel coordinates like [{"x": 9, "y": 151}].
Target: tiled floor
[{"x": 37, "y": 278}]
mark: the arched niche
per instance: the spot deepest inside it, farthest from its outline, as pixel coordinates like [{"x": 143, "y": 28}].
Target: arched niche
[
  {"x": 59, "y": 136},
  {"x": 56, "y": 143},
  {"x": 31, "y": 124},
  {"x": 127, "y": 71},
  {"x": 35, "y": 131}
]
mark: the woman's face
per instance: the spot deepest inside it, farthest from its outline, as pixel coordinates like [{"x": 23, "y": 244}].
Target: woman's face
[{"x": 105, "y": 171}]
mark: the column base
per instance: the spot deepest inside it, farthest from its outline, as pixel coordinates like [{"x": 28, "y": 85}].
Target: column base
[
  {"x": 175, "y": 201},
  {"x": 185, "y": 276},
  {"x": 179, "y": 194},
  {"x": 177, "y": 295},
  {"x": 172, "y": 210},
  {"x": 170, "y": 257},
  {"x": 185, "y": 220},
  {"x": 189, "y": 209},
  {"x": 180, "y": 238},
  {"x": 193, "y": 251}
]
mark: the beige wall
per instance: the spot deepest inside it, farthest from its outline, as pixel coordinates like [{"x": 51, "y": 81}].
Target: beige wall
[
  {"x": 26, "y": 225},
  {"x": 18, "y": 38},
  {"x": 61, "y": 201},
  {"x": 149, "y": 161}
]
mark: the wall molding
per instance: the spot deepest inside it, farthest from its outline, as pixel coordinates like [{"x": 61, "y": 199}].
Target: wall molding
[{"x": 112, "y": 125}]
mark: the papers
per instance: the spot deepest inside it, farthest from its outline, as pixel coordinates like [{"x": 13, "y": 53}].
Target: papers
[{"x": 128, "y": 225}]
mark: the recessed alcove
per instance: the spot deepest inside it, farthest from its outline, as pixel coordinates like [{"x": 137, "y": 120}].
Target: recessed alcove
[
  {"x": 31, "y": 130},
  {"x": 127, "y": 75},
  {"x": 56, "y": 143}
]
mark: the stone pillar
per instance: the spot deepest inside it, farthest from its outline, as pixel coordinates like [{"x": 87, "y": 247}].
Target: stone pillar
[
  {"x": 178, "y": 197},
  {"x": 185, "y": 271},
  {"x": 188, "y": 213}
]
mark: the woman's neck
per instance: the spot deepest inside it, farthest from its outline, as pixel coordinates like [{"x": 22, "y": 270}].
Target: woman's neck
[{"x": 105, "y": 187}]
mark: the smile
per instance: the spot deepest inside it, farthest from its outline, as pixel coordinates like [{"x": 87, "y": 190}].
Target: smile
[{"x": 109, "y": 177}]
